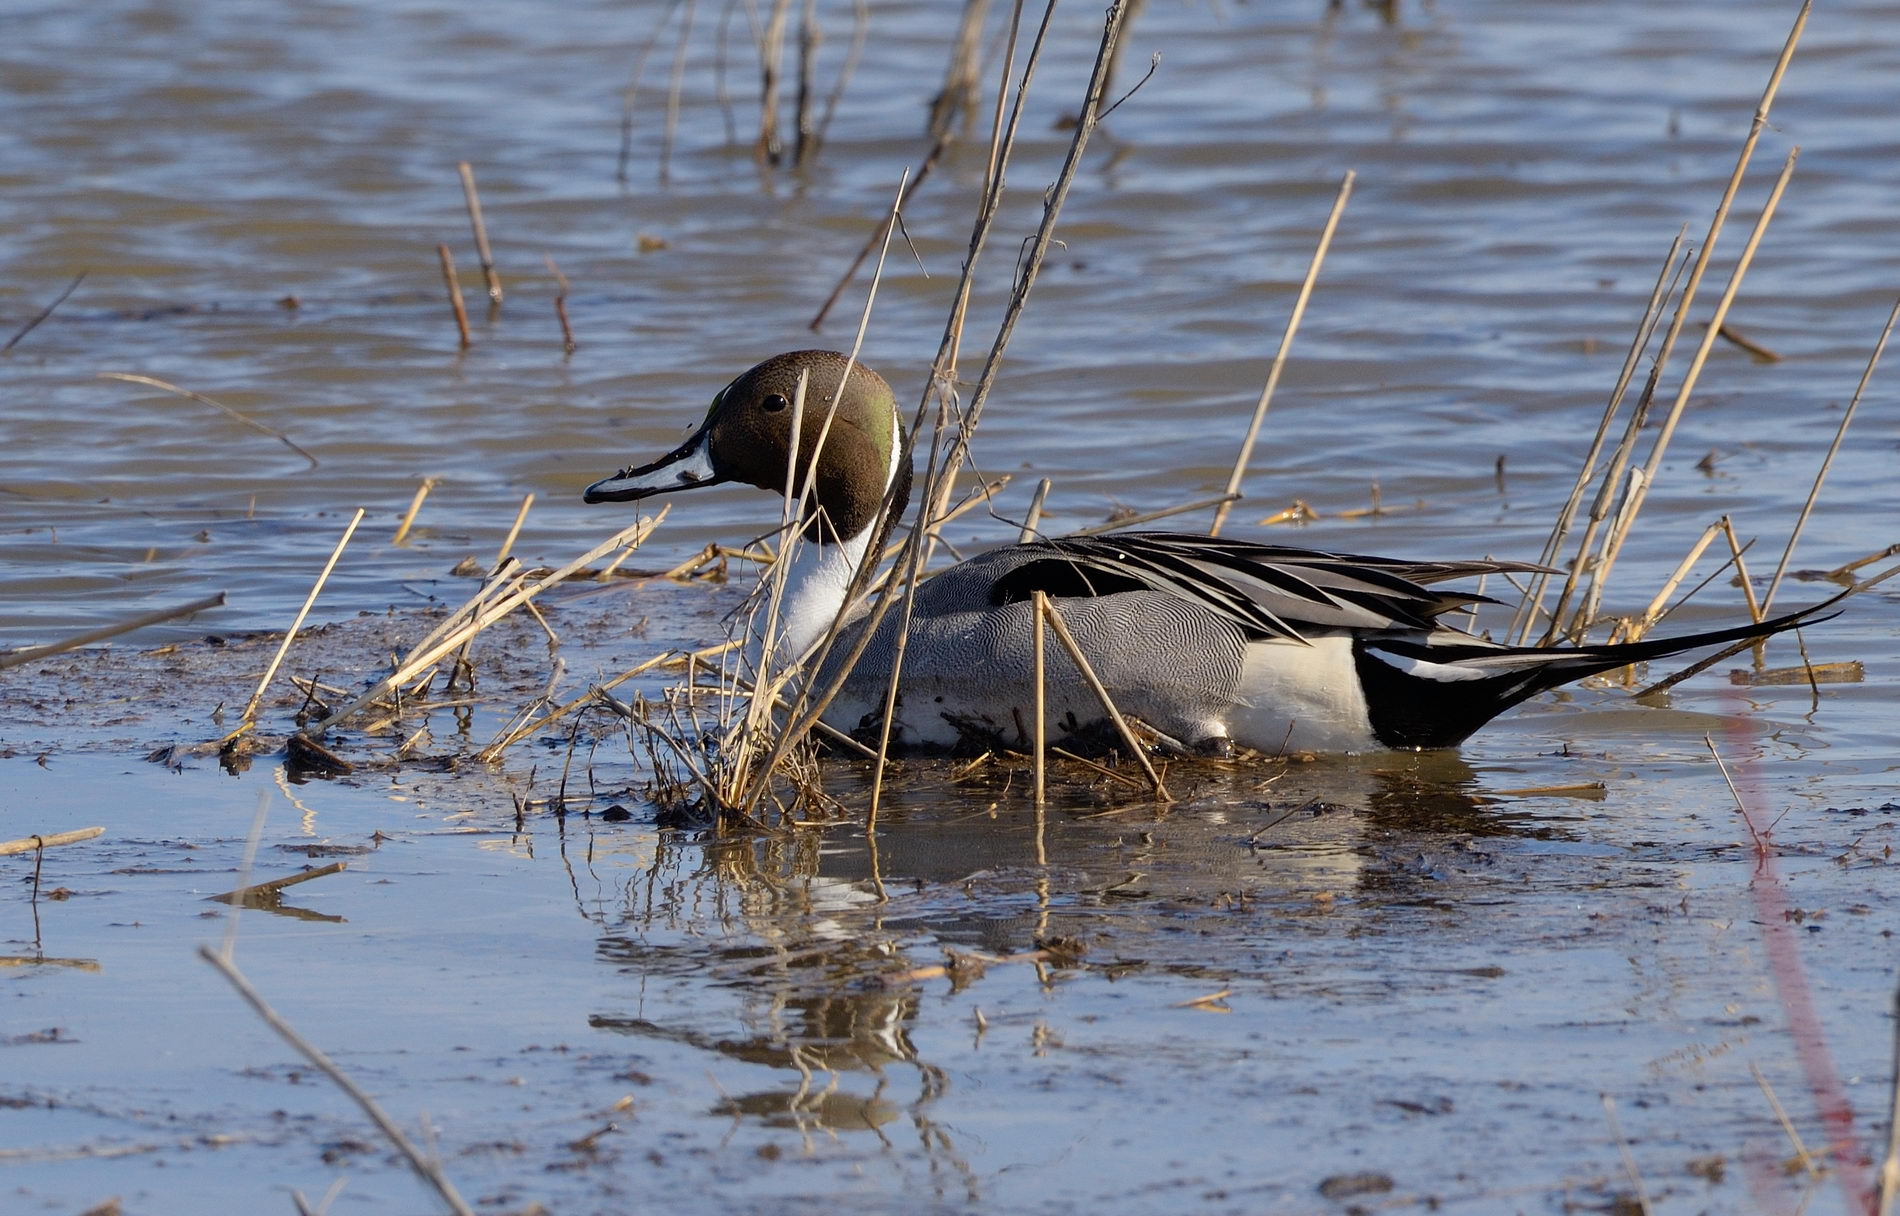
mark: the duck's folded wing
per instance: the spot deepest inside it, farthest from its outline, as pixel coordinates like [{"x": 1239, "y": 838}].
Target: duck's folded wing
[{"x": 1267, "y": 590}]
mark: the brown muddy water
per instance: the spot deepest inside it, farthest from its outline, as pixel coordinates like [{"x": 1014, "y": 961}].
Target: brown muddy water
[{"x": 1428, "y": 982}]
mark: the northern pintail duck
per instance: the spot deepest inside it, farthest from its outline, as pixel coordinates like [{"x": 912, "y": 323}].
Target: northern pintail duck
[{"x": 1211, "y": 642}]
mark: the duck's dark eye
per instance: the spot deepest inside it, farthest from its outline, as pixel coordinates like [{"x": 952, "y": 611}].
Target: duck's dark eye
[{"x": 773, "y": 403}]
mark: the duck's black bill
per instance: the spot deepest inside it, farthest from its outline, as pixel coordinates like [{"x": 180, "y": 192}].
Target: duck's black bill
[{"x": 686, "y": 467}]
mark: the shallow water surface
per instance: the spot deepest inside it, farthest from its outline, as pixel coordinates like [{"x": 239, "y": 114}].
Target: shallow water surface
[{"x": 1427, "y": 977}]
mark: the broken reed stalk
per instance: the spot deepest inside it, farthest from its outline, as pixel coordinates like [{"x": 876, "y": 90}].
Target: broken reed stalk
[
  {"x": 1061, "y": 629},
  {"x": 1279, "y": 356},
  {"x": 29, "y": 654},
  {"x": 1806, "y": 1158},
  {"x": 455, "y": 631},
  {"x": 568, "y": 345},
  {"x": 1735, "y": 548},
  {"x": 227, "y": 411},
  {"x": 429, "y": 1171},
  {"x": 1186, "y": 508},
  {"x": 491, "y": 277},
  {"x": 245, "y": 894},
  {"x": 1654, "y": 612},
  {"x": 673, "y": 87},
  {"x": 768, "y": 149},
  {"x": 47, "y": 840},
  {"x": 1652, "y": 468},
  {"x": 415, "y": 505},
  {"x": 1033, "y": 518},
  {"x": 250, "y": 707},
  {"x": 514, "y": 531},
  {"x": 1629, "y": 1161},
  {"x": 1039, "y": 609},
  {"x": 454, "y": 286},
  {"x": 1840, "y": 433},
  {"x": 43, "y": 313},
  {"x": 1525, "y": 619}
]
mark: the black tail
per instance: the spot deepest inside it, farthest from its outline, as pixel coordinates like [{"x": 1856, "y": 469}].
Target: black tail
[{"x": 1421, "y": 694}]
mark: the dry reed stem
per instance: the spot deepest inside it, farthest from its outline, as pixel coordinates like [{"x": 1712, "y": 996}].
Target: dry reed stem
[
  {"x": 675, "y": 82},
  {"x": 1840, "y": 433},
  {"x": 768, "y": 149},
  {"x": 430, "y": 1172},
  {"x": 1846, "y": 671},
  {"x": 1654, "y": 612},
  {"x": 227, "y": 411},
  {"x": 1040, "y": 604},
  {"x": 1212, "y": 999},
  {"x": 514, "y": 531},
  {"x": 1061, "y": 628},
  {"x": 1729, "y": 333},
  {"x": 1781, "y": 1116},
  {"x": 1652, "y": 468},
  {"x": 454, "y": 287},
  {"x": 245, "y": 894},
  {"x": 1100, "y": 770},
  {"x": 1146, "y": 517},
  {"x": 442, "y": 641},
  {"x": 860, "y": 28},
  {"x": 1525, "y": 619},
  {"x": 48, "y": 840},
  {"x": 43, "y": 313},
  {"x": 568, "y": 345},
  {"x": 1623, "y": 1151},
  {"x": 879, "y": 235},
  {"x": 1735, "y": 548},
  {"x": 633, "y": 90},
  {"x": 491, "y": 277},
  {"x": 1279, "y": 356},
  {"x": 960, "y": 78},
  {"x": 29, "y": 654},
  {"x": 1033, "y": 517},
  {"x": 809, "y": 36},
  {"x": 415, "y": 505},
  {"x": 290, "y": 635},
  {"x": 984, "y": 493}
]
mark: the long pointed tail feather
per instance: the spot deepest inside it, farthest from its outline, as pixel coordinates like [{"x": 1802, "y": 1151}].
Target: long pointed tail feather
[{"x": 1435, "y": 694}]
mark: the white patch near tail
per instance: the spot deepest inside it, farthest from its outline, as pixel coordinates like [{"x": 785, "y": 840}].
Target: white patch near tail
[{"x": 1301, "y": 698}]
